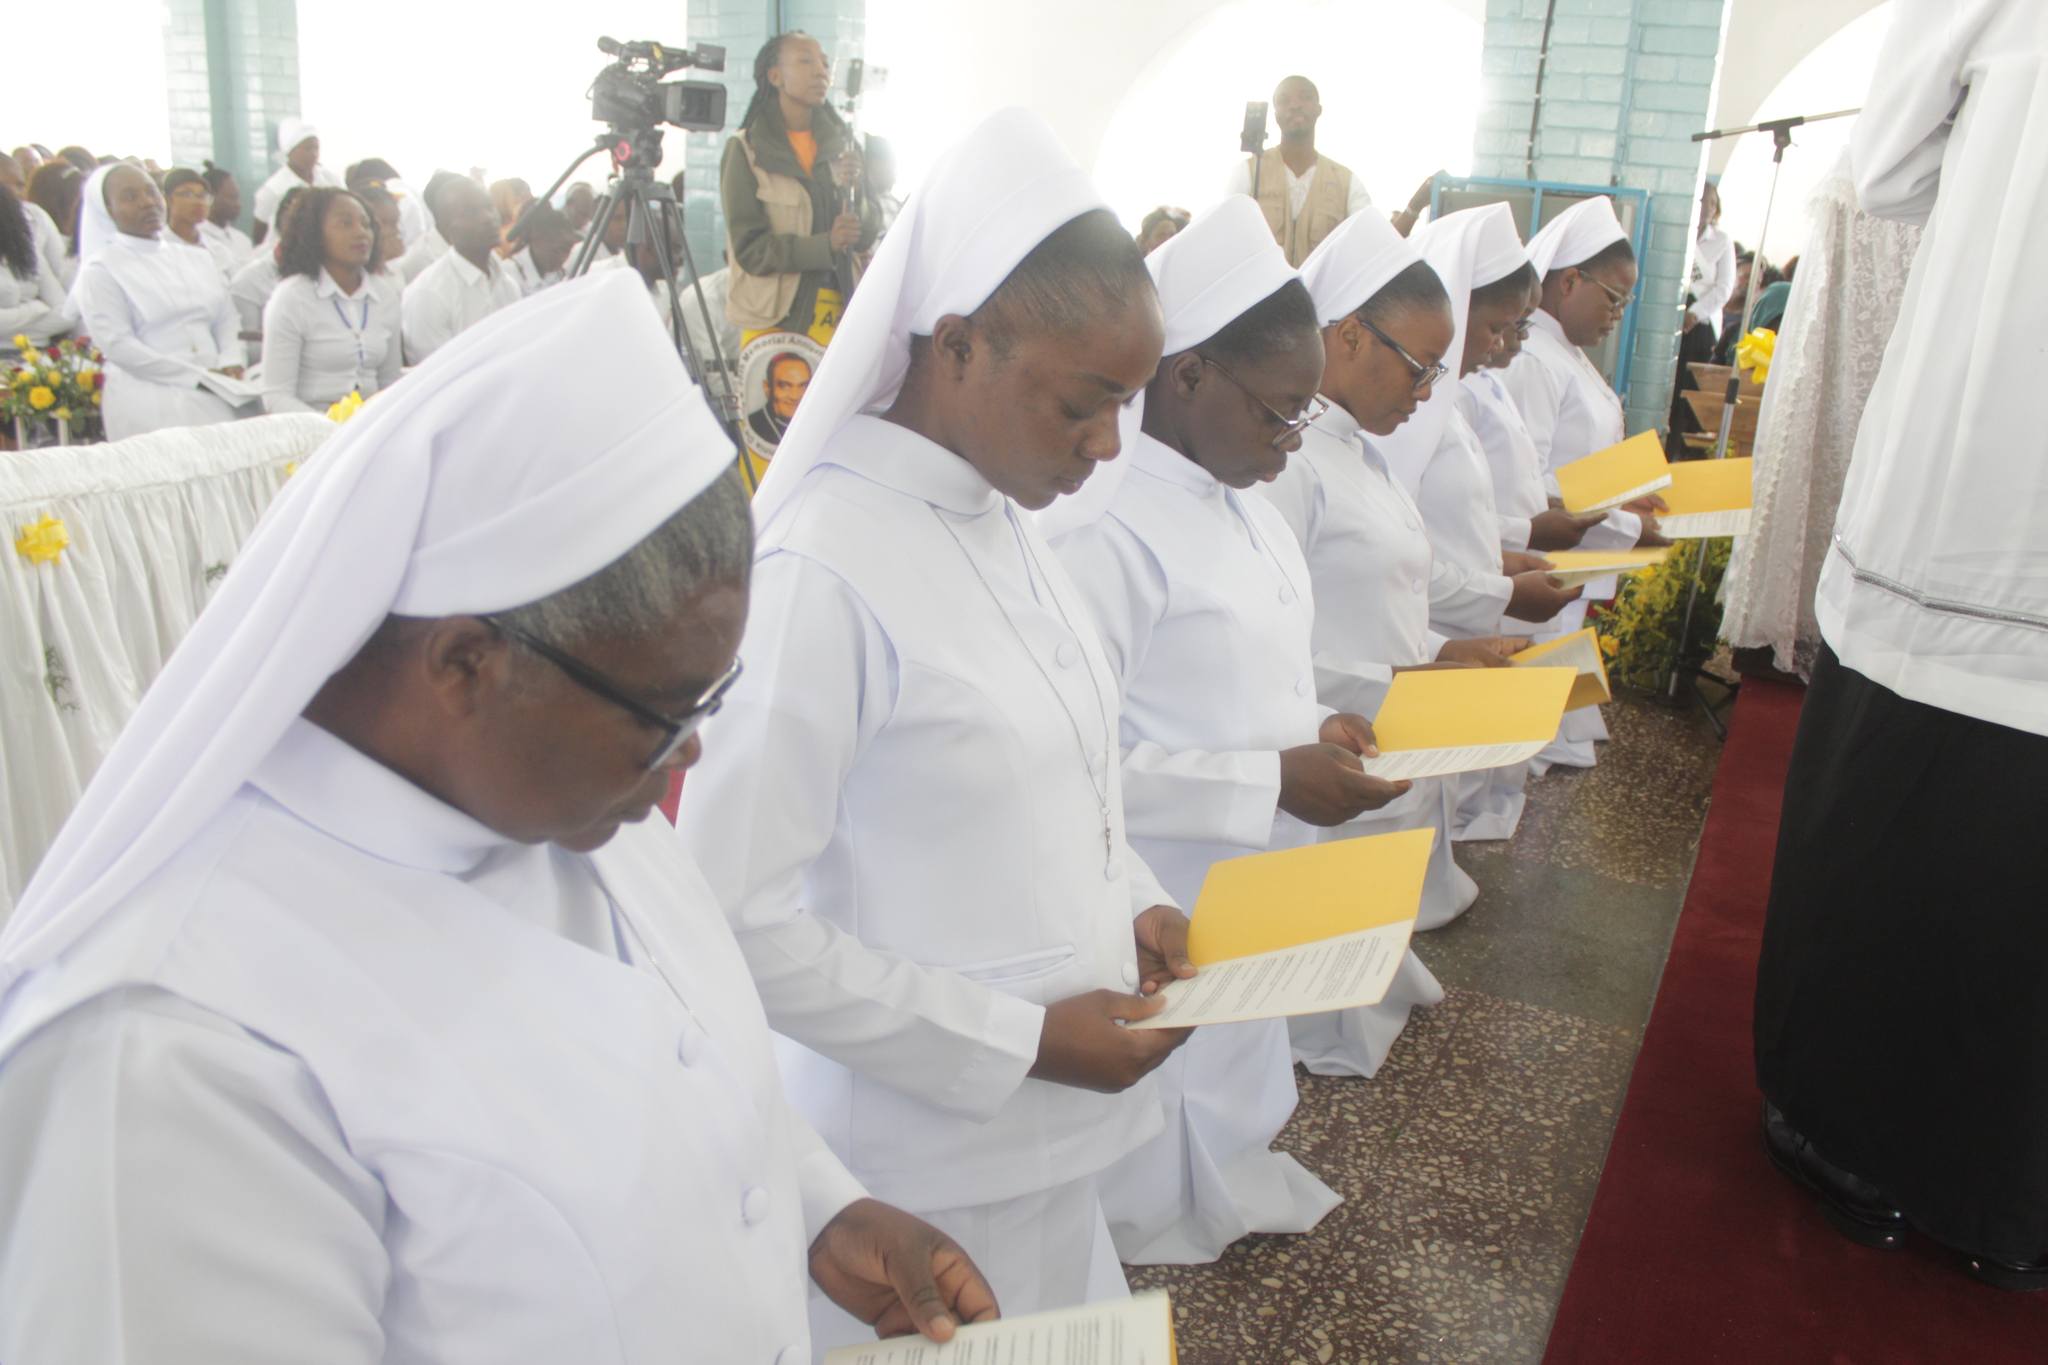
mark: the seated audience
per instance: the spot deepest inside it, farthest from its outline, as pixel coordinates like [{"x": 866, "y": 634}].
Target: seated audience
[
  {"x": 298, "y": 142},
  {"x": 332, "y": 327},
  {"x": 155, "y": 308},
  {"x": 53, "y": 195},
  {"x": 541, "y": 246},
  {"x": 466, "y": 285},
  {"x": 32, "y": 302},
  {"x": 221, "y": 232},
  {"x": 256, "y": 281}
]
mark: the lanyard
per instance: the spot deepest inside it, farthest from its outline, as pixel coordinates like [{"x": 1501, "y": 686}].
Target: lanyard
[{"x": 355, "y": 330}]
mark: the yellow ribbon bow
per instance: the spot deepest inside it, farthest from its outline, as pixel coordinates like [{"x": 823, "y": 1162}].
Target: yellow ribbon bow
[{"x": 1754, "y": 352}]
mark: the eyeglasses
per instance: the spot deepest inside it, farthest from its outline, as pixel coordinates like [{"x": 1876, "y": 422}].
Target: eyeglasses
[
  {"x": 1317, "y": 405},
  {"x": 1616, "y": 300},
  {"x": 676, "y": 730},
  {"x": 1423, "y": 375}
]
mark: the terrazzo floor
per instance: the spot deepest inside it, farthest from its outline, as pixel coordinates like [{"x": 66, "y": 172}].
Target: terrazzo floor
[{"x": 1468, "y": 1164}]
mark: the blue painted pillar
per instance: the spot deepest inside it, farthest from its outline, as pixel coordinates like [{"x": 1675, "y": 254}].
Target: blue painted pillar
[
  {"x": 1626, "y": 84},
  {"x": 231, "y": 74}
]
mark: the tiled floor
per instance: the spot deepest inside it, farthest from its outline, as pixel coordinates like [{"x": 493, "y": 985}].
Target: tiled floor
[{"x": 1467, "y": 1165}]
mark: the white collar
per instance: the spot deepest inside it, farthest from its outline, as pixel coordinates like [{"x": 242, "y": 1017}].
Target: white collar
[
  {"x": 899, "y": 458},
  {"x": 329, "y": 287},
  {"x": 470, "y": 274},
  {"x": 1153, "y": 456},
  {"x": 346, "y": 794}
]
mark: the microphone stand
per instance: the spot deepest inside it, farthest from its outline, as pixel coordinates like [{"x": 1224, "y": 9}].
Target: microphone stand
[{"x": 1781, "y": 138}]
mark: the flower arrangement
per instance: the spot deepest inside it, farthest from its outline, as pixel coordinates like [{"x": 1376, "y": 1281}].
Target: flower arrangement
[
  {"x": 1754, "y": 352},
  {"x": 53, "y": 392},
  {"x": 341, "y": 409},
  {"x": 1638, "y": 629}
]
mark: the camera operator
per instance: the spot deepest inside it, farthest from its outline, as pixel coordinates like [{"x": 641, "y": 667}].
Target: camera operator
[{"x": 786, "y": 182}]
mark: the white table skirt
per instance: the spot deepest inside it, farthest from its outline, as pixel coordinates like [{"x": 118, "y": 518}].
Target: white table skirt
[{"x": 154, "y": 522}]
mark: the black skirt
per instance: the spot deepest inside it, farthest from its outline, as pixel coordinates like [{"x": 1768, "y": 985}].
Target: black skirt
[{"x": 1902, "y": 995}]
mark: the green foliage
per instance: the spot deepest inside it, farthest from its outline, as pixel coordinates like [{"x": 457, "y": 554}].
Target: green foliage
[{"x": 1637, "y": 629}]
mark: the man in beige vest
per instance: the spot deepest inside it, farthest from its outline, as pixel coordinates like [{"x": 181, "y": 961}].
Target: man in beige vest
[{"x": 1304, "y": 195}]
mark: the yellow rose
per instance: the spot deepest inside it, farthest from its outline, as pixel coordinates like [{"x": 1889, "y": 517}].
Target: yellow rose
[
  {"x": 43, "y": 541},
  {"x": 40, "y": 398},
  {"x": 22, "y": 343},
  {"x": 62, "y": 414},
  {"x": 96, "y": 400},
  {"x": 343, "y": 409}
]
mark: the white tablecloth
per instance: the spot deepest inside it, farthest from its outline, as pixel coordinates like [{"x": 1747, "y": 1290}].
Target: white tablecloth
[{"x": 154, "y": 521}]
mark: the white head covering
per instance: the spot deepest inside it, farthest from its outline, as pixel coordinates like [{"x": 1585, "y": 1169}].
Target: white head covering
[
  {"x": 1355, "y": 262},
  {"x": 530, "y": 452},
  {"x": 986, "y": 203},
  {"x": 97, "y": 232},
  {"x": 1208, "y": 274},
  {"x": 1467, "y": 249},
  {"x": 1577, "y": 235},
  {"x": 291, "y": 132}
]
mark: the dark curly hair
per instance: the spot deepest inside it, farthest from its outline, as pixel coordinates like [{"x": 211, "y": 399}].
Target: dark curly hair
[
  {"x": 17, "y": 240},
  {"x": 304, "y": 247}
]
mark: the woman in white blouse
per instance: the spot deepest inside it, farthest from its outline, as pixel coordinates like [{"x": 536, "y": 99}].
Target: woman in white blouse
[
  {"x": 219, "y": 234},
  {"x": 257, "y": 280},
  {"x": 32, "y": 300},
  {"x": 332, "y": 326},
  {"x": 155, "y": 309}
]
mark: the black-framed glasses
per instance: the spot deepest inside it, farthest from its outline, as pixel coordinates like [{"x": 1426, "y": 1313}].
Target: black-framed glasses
[
  {"x": 1423, "y": 375},
  {"x": 1316, "y": 407},
  {"x": 1616, "y": 300},
  {"x": 675, "y": 730}
]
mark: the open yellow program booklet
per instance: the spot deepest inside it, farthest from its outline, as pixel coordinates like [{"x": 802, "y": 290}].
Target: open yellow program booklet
[
  {"x": 1133, "y": 1331},
  {"x": 1619, "y": 474},
  {"x": 1707, "y": 498},
  {"x": 1573, "y": 567},
  {"x": 1579, "y": 650},
  {"x": 1300, "y": 931},
  {"x": 1463, "y": 720}
]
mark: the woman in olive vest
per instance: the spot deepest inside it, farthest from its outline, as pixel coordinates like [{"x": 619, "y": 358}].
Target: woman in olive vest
[{"x": 786, "y": 186}]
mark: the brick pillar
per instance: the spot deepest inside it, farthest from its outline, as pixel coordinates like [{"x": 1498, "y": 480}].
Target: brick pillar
[
  {"x": 741, "y": 27},
  {"x": 1626, "y": 85},
  {"x": 231, "y": 75}
]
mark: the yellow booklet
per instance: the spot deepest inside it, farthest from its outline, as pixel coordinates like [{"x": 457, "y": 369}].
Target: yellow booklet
[
  {"x": 1461, "y": 720},
  {"x": 1573, "y": 567},
  {"x": 1579, "y": 650},
  {"x": 1300, "y": 931},
  {"x": 1608, "y": 478},
  {"x": 1133, "y": 1331},
  {"x": 1708, "y": 498}
]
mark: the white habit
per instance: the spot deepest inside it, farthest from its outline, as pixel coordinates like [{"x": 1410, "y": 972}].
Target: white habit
[
  {"x": 300, "y": 1063},
  {"x": 911, "y": 805},
  {"x": 158, "y": 313}
]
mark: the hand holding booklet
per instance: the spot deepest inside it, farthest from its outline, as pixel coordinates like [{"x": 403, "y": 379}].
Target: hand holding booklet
[
  {"x": 1460, "y": 720},
  {"x": 1573, "y": 567},
  {"x": 1707, "y": 498},
  {"x": 1619, "y": 474},
  {"x": 1300, "y": 931},
  {"x": 232, "y": 391},
  {"x": 1133, "y": 1331}
]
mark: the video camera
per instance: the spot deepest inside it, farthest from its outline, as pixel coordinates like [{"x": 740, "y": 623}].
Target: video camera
[{"x": 632, "y": 97}]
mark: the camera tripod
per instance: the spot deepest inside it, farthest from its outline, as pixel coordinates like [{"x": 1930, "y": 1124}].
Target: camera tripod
[{"x": 654, "y": 219}]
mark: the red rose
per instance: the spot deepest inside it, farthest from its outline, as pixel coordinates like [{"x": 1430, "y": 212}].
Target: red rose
[
  {"x": 99, "y": 379},
  {"x": 56, "y": 354}
]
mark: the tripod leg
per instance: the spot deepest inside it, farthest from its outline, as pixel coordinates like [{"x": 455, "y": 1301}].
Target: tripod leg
[
  {"x": 721, "y": 398},
  {"x": 601, "y": 219}
]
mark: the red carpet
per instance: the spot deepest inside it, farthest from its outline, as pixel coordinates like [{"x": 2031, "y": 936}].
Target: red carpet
[{"x": 1696, "y": 1248}]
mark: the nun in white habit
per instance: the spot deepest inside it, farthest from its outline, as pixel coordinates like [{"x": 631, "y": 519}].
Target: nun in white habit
[
  {"x": 1369, "y": 564},
  {"x": 1437, "y": 456},
  {"x": 353, "y": 1017},
  {"x": 155, "y": 308},
  {"x": 912, "y": 806},
  {"x": 1588, "y": 270},
  {"x": 1204, "y": 606}
]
